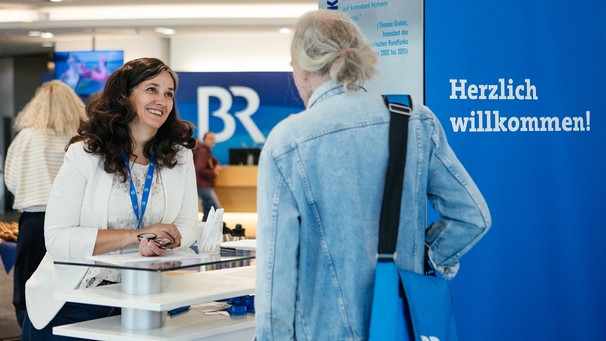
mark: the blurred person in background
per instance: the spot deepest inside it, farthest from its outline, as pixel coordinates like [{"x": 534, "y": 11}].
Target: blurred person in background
[
  {"x": 207, "y": 170},
  {"x": 34, "y": 157}
]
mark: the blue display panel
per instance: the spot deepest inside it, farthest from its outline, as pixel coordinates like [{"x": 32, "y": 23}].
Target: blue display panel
[
  {"x": 86, "y": 71},
  {"x": 516, "y": 87}
]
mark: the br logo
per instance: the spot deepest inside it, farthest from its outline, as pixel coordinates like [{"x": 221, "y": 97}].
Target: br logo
[{"x": 225, "y": 98}]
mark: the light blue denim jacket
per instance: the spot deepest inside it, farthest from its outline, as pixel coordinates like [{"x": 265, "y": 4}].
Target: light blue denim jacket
[{"x": 320, "y": 187}]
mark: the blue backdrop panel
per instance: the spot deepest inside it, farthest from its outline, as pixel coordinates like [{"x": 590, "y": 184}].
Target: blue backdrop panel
[
  {"x": 537, "y": 157},
  {"x": 213, "y": 101}
]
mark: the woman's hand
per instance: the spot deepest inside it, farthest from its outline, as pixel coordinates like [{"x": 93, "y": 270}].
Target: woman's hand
[
  {"x": 156, "y": 238},
  {"x": 148, "y": 247}
]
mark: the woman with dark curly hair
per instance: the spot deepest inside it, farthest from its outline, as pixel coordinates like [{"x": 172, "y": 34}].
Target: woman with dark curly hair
[{"x": 128, "y": 171}]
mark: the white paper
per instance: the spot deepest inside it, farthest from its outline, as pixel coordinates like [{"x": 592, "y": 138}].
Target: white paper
[
  {"x": 242, "y": 244},
  {"x": 210, "y": 234}
]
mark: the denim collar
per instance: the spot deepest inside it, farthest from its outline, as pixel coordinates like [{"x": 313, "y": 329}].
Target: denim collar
[{"x": 325, "y": 91}]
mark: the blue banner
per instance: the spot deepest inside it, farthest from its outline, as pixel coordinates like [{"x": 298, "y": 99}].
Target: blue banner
[
  {"x": 518, "y": 88},
  {"x": 241, "y": 108}
]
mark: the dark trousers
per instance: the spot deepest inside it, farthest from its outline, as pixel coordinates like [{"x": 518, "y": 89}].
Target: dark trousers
[
  {"x": 209, "y": 200},
  {"x": 30, "y": 251},
  {"x": 70, "y": 313}
]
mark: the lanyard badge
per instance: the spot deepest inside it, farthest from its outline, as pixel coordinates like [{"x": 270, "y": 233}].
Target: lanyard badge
[{"x": 146, "y": 188}]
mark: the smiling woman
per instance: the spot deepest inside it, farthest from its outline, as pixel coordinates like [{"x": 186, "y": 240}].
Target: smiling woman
[
  {"x": 127, "y": 182},
  {"x": 153, "y": 100}
]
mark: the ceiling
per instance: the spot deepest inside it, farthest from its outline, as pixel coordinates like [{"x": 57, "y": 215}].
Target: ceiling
[{"x": 87, "y": 19}]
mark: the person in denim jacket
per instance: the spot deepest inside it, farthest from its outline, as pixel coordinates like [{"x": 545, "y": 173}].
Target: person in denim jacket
[{"x": 320, "y": 187}]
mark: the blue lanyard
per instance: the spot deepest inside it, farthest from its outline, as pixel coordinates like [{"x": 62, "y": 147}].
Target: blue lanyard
[{"x": 146, "y": 188}]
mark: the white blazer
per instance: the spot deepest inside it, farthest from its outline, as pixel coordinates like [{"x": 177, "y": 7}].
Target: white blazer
[{"x": 77, "y": 208}]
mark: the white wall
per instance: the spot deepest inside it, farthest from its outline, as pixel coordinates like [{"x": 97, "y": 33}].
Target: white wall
[
  {"x": 232, "y": 51},
  {"x": 212, "y": 51},
  {"x": 133, "y": 46}
]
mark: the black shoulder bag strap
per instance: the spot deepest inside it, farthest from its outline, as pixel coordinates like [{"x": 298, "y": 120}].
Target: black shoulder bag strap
[{"x": 400, "y": 107}]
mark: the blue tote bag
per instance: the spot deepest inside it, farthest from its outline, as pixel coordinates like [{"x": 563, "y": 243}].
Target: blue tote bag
[
  {"x": 411, "y": 306},
  {"x": 406, "y": 306}
]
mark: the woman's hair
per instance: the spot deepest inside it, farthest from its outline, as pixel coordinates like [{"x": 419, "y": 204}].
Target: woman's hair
[
  {"x": 329, "y": 42},
  {"x": 55, "y": 106},
  {"x": 106, "y": 131}
]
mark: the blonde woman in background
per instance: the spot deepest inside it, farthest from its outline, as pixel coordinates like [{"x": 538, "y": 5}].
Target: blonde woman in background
[{"x": 34, "y": 157}]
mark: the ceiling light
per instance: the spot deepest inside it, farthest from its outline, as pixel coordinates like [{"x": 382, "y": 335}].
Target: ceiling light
[
  {"x": 284, "y": 30},
  {"x": 19, "y": 15},
  {"x": 165, "y": 30},
  {"x": 46, "y": 35}
]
